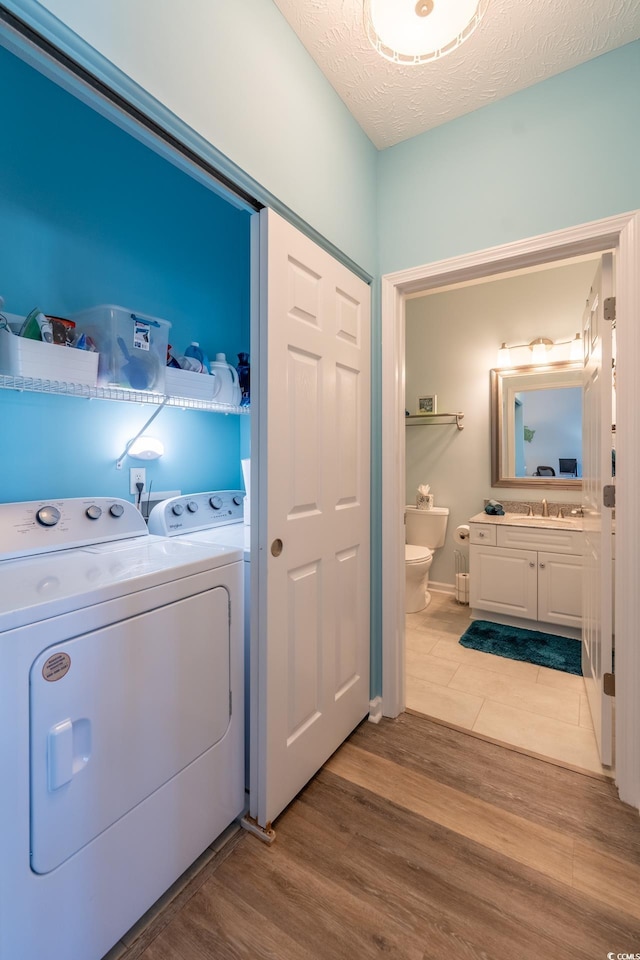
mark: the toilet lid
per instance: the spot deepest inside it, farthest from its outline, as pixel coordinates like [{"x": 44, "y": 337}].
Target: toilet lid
[{"x": 414, "y": 554}]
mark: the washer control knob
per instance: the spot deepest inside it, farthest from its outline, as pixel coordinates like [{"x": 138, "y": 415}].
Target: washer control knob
[
  {"x": 237, "y": 500},
  {"x": 48, "y": 516},
  {"x": 116, "y": 509},
  {"x": 94, "y": 512},
  {"x": 177, "y": 509},
  {"x": 216, "y": 502},
  {"x": 192, "y": 506}
]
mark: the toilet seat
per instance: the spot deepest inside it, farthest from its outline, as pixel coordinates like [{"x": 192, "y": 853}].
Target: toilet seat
[{"x": 416, "y": 554}]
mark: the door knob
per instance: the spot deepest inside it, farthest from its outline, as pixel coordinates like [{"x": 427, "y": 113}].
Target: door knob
[{"x": 276, "y": 547}]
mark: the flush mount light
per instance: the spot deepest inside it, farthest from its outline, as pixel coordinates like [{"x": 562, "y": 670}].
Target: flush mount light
[{"x": 404, "y": 31}]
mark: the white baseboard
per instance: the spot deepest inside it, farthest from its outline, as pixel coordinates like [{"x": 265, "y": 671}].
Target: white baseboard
[
  {"x": 441, "y": 587},
  {"x": 375, "y": 710}
]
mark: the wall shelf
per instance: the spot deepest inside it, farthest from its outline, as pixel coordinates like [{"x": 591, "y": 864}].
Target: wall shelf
[
  {"x": 33, "y": 385},
  {"x": 436, "y": 419}
]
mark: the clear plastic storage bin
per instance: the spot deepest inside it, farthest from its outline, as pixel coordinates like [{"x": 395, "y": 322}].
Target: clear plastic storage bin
[{"x": 132, "y": 347}]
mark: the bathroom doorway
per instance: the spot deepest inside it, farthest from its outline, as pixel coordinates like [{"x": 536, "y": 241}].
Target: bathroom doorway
[
  {"x": 619, "y": 233},
  {"x": 543, "y": 712}
]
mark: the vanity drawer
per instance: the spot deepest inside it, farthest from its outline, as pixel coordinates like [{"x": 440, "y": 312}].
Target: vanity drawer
[
  {"x": 540, "y": 538},
  {"x": 483, "y": 533}
]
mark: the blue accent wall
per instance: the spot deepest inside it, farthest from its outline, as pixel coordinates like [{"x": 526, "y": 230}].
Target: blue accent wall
[{"x": 91, "y": 216}]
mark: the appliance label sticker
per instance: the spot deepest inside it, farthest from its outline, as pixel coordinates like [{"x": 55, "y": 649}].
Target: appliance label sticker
[
  {"x": 56, "y": 667},
  {"x": 141, "y": 335}
]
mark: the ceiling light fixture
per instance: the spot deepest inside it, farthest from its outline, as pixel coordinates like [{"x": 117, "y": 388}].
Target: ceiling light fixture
[{"x": 407, "y": 32}]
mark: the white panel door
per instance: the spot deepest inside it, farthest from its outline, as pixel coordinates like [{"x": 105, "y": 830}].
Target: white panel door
[
  {"x": 597, "y": 626},
  {"x": 312, "y": 677}
]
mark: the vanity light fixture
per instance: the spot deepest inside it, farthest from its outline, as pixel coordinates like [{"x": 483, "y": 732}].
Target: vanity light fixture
[
  {"x": 407, "y": 32},
  {"x": 541, "y": 348}
]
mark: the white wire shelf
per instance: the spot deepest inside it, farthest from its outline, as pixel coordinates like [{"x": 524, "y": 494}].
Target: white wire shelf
[
  {"x": 83, "y": 391},
  {"x": 435, "y": 419}
]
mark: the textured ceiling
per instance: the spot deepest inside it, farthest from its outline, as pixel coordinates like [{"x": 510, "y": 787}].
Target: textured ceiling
[{"x": 518, "y": 43}]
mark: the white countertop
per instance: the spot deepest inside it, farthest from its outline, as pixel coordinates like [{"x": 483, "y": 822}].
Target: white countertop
[{"x": 522, "y": 520}]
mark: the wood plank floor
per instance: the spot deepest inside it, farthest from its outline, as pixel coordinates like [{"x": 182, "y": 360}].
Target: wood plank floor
[{"x": 419, "y": 842}]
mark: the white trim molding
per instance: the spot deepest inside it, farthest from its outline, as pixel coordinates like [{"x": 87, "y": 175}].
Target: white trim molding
[
  {"x": 375, "y": 710},
  {"x": 622, "y": 234}
]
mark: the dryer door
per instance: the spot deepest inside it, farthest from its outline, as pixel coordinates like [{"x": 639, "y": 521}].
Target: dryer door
[{"x": 118, "y": 712}]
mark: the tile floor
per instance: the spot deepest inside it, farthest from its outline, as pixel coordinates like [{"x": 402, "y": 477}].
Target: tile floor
[{"x": 534, "y": 709}]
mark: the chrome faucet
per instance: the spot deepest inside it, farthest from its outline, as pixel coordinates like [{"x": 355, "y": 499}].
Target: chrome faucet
[{"x": 545, "y": 508}]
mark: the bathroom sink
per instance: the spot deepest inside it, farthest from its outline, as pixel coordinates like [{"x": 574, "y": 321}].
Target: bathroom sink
[{"x": 516, "y": 519}]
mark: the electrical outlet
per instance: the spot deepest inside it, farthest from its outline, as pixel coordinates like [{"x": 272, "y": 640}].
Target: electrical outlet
[{"x": 136, "y": 475}]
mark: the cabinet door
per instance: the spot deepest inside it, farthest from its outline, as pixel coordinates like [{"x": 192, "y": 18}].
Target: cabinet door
[
  {"x": 504, "y": 581},
  {"x": 560, "y": 589}
]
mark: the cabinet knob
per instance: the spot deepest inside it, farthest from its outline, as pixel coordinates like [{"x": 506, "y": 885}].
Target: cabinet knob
[
  {"x": 542, "y": 565},
  {"x": 481, "y": 535},
  {"x": 531, "y": 563}
]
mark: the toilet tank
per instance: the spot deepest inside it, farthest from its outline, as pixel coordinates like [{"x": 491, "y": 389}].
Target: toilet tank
[{"x": 426, "y": 528}]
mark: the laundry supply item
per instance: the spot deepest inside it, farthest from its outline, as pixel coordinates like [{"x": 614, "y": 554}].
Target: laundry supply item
[
  {"x": 244, "y": 377},
  {"x": 229, "y": 386},
  {"x": 200, "y": 361}
]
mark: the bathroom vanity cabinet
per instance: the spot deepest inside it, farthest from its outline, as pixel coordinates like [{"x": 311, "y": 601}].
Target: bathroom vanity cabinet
[{"x": 522, "y": 571}]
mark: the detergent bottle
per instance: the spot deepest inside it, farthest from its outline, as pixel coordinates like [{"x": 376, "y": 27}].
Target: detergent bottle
[
  {"x": 196, "y": 353},
  {"x": 227, "y": 375}
]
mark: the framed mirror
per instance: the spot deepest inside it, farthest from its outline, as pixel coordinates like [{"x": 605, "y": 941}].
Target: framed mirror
[{"x": 536, "y": 426}]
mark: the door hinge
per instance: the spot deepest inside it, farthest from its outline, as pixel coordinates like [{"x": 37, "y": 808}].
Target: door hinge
[
  {"x": 609, "y": 495},
  {"x": 609, "y": 684},
  {"x": 610, "y": 308}
]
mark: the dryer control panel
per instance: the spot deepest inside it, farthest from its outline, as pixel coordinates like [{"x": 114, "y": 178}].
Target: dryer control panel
[
  {"x": 40, "y": 526},
  {"x": 196, "y": 511}
]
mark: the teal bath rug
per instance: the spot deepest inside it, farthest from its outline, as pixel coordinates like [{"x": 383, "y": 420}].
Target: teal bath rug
[{"x": 559, "y": 653}]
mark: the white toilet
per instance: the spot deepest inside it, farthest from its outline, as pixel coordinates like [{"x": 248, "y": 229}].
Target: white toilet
[{"x": 424, "y": 532}]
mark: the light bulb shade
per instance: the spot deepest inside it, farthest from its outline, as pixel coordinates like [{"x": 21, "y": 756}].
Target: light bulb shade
[
  {"x": 540, "y": 349},
  {"x": 404, "y": 31},
  {"x": 146, "y": 448},
  {"x": 504, "y": 356},
  {"x": 576, "y": 348}
]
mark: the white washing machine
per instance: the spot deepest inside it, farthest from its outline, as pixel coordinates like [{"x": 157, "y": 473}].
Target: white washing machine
[
  {"x": 216, "y": 517},
  {"x": 121, "y": 711}
]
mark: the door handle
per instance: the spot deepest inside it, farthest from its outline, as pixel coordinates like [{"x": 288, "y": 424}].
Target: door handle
[
  {"x": 60, "y": 755},
  {"x": 276, "y": 547}
]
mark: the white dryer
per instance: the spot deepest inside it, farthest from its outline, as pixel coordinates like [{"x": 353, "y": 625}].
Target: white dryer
[
  {"x": 214, "y": 518},
  {"x": 121, "y": 710}
]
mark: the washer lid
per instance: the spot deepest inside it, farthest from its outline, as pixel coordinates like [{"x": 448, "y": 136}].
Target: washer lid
[{"x": 415, "y": 554}]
